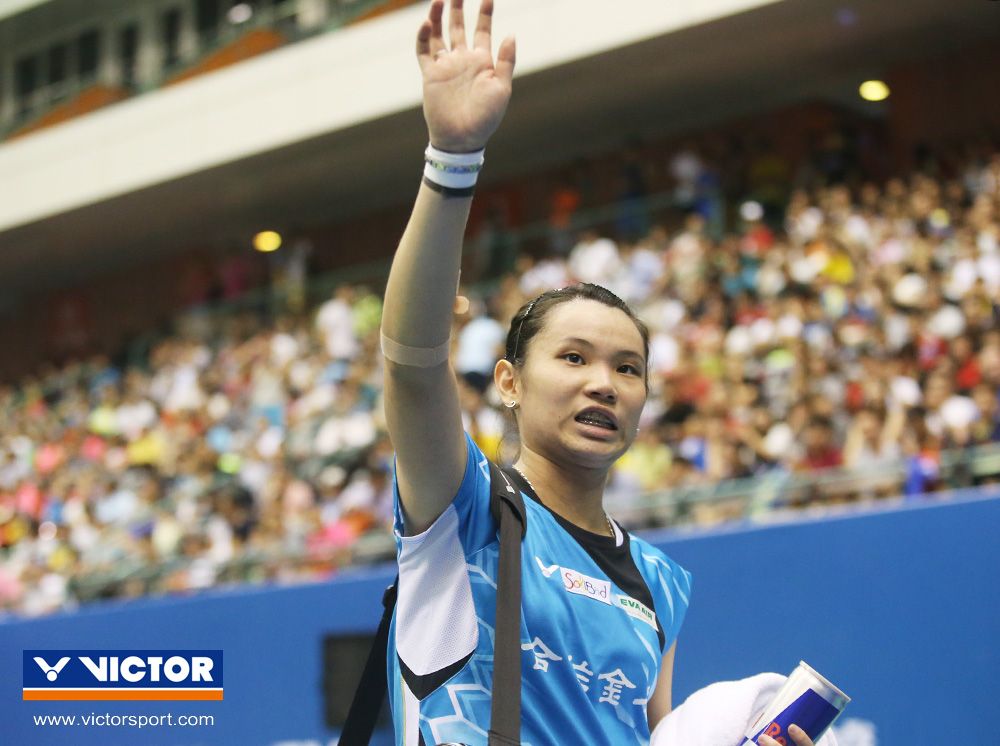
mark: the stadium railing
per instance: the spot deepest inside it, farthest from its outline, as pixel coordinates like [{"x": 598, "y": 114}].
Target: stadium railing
[{"x": 773, "y": 497}]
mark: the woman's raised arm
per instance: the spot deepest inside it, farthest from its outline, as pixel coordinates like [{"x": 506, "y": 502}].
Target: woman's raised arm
[{"x": 465, "y": 96}]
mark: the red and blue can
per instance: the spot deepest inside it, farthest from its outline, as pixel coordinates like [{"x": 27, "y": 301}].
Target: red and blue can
[{"x": 806, "y": 699}]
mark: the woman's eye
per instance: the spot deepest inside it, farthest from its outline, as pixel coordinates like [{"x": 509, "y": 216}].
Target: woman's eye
[
  {"x": 573, "y": 357},
  {"x": 629, "y": 369}
]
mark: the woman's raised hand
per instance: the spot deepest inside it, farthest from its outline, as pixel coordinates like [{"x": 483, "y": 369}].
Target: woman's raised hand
[{"x": 465, "y": 93}]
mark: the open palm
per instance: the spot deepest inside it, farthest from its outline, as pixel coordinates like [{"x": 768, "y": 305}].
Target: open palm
[{"x": 465, "y": 93}]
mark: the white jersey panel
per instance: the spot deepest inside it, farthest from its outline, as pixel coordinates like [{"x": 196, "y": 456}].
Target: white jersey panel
[{"x": 435, "y": 596}]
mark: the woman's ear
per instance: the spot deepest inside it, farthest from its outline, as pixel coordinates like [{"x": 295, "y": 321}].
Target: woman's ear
[{"x": 505, "y": 379}]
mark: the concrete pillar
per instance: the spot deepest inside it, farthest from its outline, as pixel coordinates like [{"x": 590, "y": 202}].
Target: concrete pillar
[
  {"x": 7, "y": 105},
  {"x": 109, "y": 70},
  {"x": 189, "y": 34},
  {"x": 151, "y": 54}
]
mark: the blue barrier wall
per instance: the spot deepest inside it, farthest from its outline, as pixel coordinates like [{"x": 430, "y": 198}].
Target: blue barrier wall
[{"x": 895, "y": 606}]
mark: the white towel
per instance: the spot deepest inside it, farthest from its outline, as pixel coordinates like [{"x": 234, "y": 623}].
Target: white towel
[{"x": 721, "y": 713}]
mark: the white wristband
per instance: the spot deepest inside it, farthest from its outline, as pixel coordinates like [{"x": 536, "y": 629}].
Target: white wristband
[
  {"x": 452, "y": 170},
  {"x": 475, "y": 158}
]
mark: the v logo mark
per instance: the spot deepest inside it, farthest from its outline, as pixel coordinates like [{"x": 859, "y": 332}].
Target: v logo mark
[
  {"x": 51, "y": 672},
  {"x": 546, "y": 571}
]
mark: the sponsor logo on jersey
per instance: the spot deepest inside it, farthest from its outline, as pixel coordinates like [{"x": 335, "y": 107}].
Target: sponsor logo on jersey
[
  {"x": 583, "y": 585},
  {"x": 636, "y": 610},
  {"x": 546, "y": 571},
  {"x": 122, "y": 675}
]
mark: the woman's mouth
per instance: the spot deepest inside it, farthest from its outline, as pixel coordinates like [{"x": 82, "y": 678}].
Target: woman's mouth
[{"x": 597, "y": 418}]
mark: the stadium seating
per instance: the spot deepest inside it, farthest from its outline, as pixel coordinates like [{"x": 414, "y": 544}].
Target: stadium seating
[{"x": 837, "y": 347}]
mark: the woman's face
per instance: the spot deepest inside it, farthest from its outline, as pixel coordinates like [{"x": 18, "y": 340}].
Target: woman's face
[{"x": 582, "y": 386}]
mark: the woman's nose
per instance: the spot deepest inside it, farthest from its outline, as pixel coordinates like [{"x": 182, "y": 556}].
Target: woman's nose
[{"x": 602, "y": 384}]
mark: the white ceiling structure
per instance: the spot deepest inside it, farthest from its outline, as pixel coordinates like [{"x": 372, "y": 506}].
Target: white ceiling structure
[
  {"x": 795, "y": 50},
  {"x": 13, "y": 7}
]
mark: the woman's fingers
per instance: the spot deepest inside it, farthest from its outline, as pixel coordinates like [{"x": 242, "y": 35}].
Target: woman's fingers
[
  {"x": 430, "y": 36},
  {"x": 506, "y": 57},
  {"x": 424, "y": 43},
  {"x": 431, "y": 43},
  {"x": 799, "y": 736},
  {"x": 484, "y": 27},
  {"x": 456, "y": 27},
  {"x": 437, "y": 25}
]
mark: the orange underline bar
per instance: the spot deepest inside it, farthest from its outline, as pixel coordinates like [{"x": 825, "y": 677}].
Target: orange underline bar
[{"x": 49, "y": 695}]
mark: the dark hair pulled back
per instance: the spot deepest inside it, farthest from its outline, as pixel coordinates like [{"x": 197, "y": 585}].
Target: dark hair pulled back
[{"x": 530, "y": 318}]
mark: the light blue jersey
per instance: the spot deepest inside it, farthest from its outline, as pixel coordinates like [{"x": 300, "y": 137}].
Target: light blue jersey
[{"x": 597, "y": 616}]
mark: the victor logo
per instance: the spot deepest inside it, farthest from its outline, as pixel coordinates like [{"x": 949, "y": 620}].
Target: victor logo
[
  {"x": 122, "y": 675},
  {"x": 546, "y": 570},
  {"x": 51, "y": 672},
  {"x": 134, "y": 668}
]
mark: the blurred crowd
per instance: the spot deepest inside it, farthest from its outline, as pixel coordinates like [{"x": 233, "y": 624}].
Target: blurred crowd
[{"x": 842, "y": 327}]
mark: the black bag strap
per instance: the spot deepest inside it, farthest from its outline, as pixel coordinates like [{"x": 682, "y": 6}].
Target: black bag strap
[
  {"x": 370, "y": 694},
  {"x": 507, "y": 508}
]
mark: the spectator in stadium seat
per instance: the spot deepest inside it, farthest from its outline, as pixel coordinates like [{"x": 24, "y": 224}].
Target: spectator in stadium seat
[
  {"x": 564, "y": 203},
  {"x": 820, "y": 450},
  {"x": 594, "y": 258},
  {"x": 480, "y": 345},
  {"x": 987, "y": 427},
  {"x": 335, "y": 322}
]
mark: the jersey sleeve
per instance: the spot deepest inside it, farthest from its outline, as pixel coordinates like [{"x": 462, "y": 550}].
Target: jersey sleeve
[
  {"x": 436, "y": 624},
  {"x": 469, "y": 508},
  {"x": 670, "y": 585}
]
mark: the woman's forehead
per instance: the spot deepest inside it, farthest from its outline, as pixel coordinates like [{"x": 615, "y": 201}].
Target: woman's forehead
[{"x": 593, "y": 322}]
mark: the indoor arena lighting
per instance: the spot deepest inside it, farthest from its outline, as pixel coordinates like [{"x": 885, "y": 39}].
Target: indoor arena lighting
[
  {"x": 267, "y": 241},
  {"x": 240, "y": 13},
  {"x": 874, "y": 90}
]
